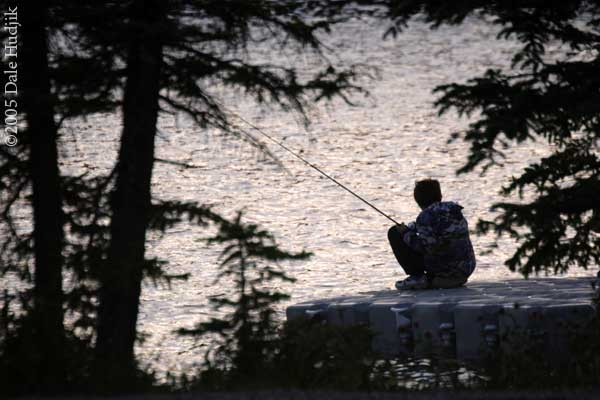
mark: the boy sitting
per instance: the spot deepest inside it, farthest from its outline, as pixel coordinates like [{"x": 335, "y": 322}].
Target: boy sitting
[{"x": 435, "y": 251}]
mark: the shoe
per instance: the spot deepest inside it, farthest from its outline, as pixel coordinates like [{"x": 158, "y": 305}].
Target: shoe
[{"x": 413, "y": 283}]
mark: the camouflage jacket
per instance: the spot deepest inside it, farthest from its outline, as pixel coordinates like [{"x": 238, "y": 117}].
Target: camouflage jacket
[{"x": 441, "y": 234}]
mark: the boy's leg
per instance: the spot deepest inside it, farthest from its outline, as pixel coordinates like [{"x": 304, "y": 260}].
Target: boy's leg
[{"x": 409, "y": 260}]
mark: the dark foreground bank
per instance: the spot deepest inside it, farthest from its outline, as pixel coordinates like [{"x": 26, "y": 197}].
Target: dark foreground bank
[{"x": 316, "y": 395}]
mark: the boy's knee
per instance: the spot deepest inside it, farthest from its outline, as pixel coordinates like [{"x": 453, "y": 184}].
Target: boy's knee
[{"x": 393, "y": 233}]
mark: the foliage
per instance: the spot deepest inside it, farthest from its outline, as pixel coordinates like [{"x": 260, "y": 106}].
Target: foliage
[
  {"x": 316, "y": 355},
  {"x": 86, "y": 214},
  {"x": 207, "y": 47},
  {"x": 552, "y": 96},
  {"x": 528, "y": 360},
  {"x": 246, "y": 336}
]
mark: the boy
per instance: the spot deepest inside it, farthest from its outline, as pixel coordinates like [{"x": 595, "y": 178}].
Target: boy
[{"x": 435, "y": 251}]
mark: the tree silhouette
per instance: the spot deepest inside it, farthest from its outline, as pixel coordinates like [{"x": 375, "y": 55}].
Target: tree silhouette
[
  {"x": 172, "y": 60},
  {"x": 36, "y": 352},
  {"x": 554, "y": 98},
  {"x": 144, "y": 58},
  {"x": 246, "y": 337}
]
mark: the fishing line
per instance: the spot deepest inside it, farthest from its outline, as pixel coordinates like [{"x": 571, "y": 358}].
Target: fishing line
[{"x": 319, "y": 170}]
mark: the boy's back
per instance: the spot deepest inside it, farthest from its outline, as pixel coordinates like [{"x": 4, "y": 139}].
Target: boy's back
[{"x": 441, "y": 234}]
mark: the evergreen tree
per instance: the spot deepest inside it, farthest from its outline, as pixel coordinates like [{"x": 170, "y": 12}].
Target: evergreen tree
[
  {"x": 35, "y": 354},
  {"x": 553, "y": 98},
  {"x": 48, "y": 332},
  {"x": 172, "y": 59},
  {"x": 246, "y": 338},
  {"x": 144, "y": 58}
]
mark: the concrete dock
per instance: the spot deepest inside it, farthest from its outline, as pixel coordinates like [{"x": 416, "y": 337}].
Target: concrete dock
[{"x": 465, "y": 322}]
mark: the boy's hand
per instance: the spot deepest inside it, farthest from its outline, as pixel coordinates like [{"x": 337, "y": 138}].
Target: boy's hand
[{"x": 401, "y": 228}]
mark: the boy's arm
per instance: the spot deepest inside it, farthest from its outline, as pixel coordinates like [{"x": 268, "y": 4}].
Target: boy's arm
[
  {"x": 411, "y": 237},
  {"x": 401, "y": 227},
  {"x": 421, "y": 236}
]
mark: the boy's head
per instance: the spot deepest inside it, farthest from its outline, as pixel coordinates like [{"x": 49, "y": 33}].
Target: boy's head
[{"x": 427, "y": 192}]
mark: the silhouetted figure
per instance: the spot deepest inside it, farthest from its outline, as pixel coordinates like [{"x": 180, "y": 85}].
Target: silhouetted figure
[{"x": 435, "y": 250}]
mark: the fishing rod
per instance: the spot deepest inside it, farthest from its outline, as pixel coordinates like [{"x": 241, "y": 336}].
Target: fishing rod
[{"x": 319, "y": 170}]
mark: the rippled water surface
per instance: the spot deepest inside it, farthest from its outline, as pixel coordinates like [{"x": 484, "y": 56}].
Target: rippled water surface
[{"x": 378, "y": 148}]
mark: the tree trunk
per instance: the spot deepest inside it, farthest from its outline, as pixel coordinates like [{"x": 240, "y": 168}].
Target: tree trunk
[
  {"x": 48, "y": 330},
  {"x": 122, "y": 277}
]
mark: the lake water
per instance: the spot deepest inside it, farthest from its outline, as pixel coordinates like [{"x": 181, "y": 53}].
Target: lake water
[{"x": 378, "y": 148}]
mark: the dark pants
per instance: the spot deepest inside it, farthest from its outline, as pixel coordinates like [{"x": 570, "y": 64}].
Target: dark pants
[
  {"x": 412, "y": 263},
  {"x": 410, "y": 260}
]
